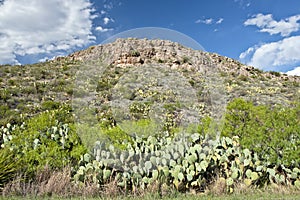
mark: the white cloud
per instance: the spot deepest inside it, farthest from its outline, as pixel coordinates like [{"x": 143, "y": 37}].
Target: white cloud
[
  {"x": 48, "y": 58},
  {"x": 204, "y": 21},
  {"x": 220, "y": 21},
  {"x": 102, "y": 30},
  {"x": 106, "y": 20},
  {"x": 275, "y": 55},
  {"x": 246, "y": 53},
  {"x": 33, "y": 27},
  {"x": 266, "y": 23},
  {"x": 209, "y": 21},
  {"x": 295, "y": 71}
]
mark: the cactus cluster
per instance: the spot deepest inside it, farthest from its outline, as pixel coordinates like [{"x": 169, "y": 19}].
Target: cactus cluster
[
  {"x": 186, "y": 162},
  {"x": 58, "y": 133}
]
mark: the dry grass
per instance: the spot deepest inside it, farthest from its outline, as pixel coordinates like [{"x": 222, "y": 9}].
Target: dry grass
[
  {"x": 111, "y": 190},
  {"x": 49, "y": 183},
  {"x": 218, "y": 187}
]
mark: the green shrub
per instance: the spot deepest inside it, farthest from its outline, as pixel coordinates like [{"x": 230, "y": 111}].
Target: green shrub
[
  {"x": 116, "y": 136},
  {"x": 44, "y": 141},
  {"x": 4, "y": 94},
  {"x": 277, "y": 74},
  {"x": 135, "y": 53},
  {"x": 243, "y": 78},
  {"x": 50, "y": 105},
  {"x": 89, "y": 134},
  {"x": 142, "y": 127},
  {"x": 273, "y": 132}
]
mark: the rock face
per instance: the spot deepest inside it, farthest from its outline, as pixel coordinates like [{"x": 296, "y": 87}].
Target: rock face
[{"x": 131, "y": 51}]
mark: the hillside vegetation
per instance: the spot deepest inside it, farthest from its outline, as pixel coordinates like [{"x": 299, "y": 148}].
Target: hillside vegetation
[{"x": 138, "y": 116}]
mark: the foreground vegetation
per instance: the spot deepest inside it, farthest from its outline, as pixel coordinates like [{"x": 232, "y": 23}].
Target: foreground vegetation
[
  {"x": 256, "y": 148},
  {"x": 95, "y": 125}
]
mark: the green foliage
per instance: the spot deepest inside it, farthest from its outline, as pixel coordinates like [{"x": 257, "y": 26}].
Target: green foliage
[
  {"x": 205, "y": 126},
  {"x": 9, "y": 167},
  {"x": 272, "y": 132},
  {"x": 4, "y": 94},
  {"x": 44, "y": 141},
  {"x": 89, "y": 134},
  {"x": 50, "y": 105},
  {"x": 116, "y": 136},
  {"x": 142, "y": 127},
  {"x": 277, "y": 74},
  {"x": 134, "y": 53}
]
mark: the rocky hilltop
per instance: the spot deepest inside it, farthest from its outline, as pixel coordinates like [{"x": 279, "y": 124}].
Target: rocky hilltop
[
  {"x": 239, "y": 79},
  {"x": 131, "y": 51},
  {"x": 130, "y": 71}
]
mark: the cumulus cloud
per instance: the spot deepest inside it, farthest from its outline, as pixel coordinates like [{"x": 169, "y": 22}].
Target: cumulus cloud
[
  {"x": 102, "y": 30},
  {"x": 267, "y": 24},
  {"x": 34, "y": 27},
  {"x": 295, "y": 71},
  {"x": 245, "y": 54},
  {"x": 275, "y": 55}
]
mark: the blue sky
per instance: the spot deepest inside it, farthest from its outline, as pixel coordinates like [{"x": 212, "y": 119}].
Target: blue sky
[{"x": 261, "y": 33}]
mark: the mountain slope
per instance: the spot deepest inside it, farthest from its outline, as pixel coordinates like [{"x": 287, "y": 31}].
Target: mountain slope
[{"x": 132, "y": 74}]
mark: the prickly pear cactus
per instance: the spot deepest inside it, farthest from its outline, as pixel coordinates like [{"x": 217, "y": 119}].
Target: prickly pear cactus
[{"x": 185, "y": 162}]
